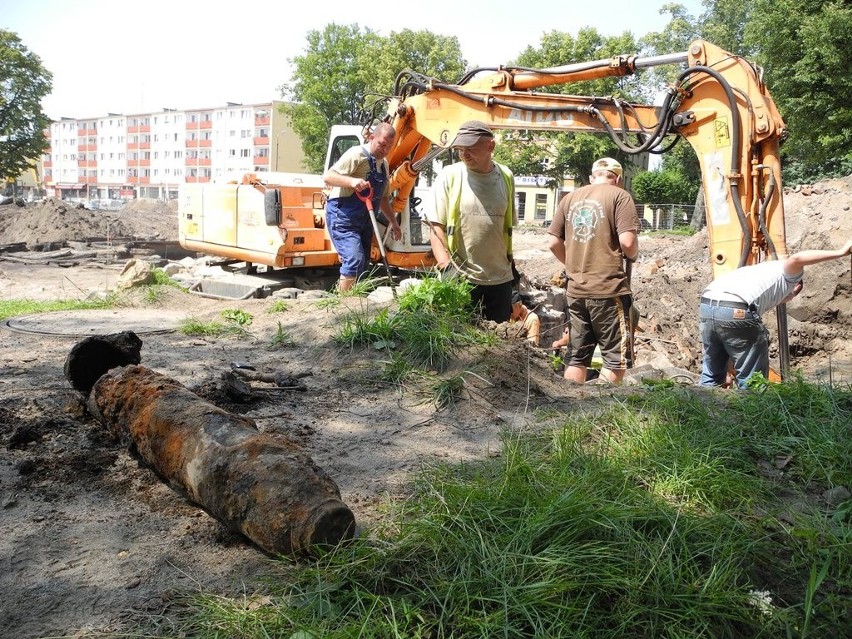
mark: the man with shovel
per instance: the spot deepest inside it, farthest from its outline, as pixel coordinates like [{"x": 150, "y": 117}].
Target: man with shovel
[{"x": 360, "y": 170}]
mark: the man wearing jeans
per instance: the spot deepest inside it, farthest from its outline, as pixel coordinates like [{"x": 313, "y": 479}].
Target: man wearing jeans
[{"x": 729, "y": 314}]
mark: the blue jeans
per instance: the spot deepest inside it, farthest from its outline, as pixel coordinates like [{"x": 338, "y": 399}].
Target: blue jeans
[{"x": 732, "y": 334}]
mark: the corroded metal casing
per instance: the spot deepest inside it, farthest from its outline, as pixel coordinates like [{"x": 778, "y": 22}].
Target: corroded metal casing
[{"x": 265, "y": 487}]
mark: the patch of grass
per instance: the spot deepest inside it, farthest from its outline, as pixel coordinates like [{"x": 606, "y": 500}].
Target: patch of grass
[
  {"x": 277, "y": 306},
  {"x": 161, "y": 278},
  {"x": 153, "y": 293},
  {"x": 281, "y": 338},
  {"x": 649, "y": 517},
  {"x": 241, "y": 318},
  {"x": 14, "y": 308},
  {"x": 397, "y": 370},
  {"x": 447, "y": 391},
  {"x": 233, "y": 326},
  {"x": 556, "y": 361},
  {"x": 432, "y": 321}
]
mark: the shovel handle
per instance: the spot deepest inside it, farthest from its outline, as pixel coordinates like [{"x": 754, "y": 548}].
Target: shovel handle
[{"x": 366, "y": 196}]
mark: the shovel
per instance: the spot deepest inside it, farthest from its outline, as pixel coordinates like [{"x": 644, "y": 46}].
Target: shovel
[{"x": 366, "y": 196}]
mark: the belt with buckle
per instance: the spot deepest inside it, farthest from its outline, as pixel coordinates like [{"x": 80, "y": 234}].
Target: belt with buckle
[{"x": 725, "y": 303}]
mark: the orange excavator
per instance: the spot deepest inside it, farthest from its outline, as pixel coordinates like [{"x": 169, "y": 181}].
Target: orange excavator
[{"x": 718, "y": 104}]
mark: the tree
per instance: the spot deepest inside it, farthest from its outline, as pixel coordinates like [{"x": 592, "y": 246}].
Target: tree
[
  {"x": 662, "y": 187},
  {"x": 328, "y": 86},
  {"x": 803, "y": 45},
  {"x": 345, "y": 70},
  {"x": 724, "y": 22},
  {"x": 24, "y": 82},
  {"x": 419, "y": 51}
]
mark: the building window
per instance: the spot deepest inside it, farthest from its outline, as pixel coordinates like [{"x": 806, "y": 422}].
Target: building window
[
  {"x": 541, "y": 206},
  {"x": 522, "y": 205},
  {"x": 244, "y": 153}
]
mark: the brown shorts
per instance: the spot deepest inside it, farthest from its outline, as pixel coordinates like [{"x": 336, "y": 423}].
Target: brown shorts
[{"x": 601, "y": 322}]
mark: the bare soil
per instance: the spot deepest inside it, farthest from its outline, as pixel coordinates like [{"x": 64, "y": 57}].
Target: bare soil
[{"x": 91, "y": 541}]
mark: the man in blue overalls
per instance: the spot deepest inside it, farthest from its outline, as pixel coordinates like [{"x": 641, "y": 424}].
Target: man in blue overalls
[{"x": 346, "y": 216}]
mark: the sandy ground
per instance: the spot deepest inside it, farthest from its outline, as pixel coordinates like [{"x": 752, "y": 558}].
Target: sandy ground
[{"x": 91, "y": 540}]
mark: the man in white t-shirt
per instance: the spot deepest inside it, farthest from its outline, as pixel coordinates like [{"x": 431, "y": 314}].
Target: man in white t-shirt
[{"x": 731, "y": 305}]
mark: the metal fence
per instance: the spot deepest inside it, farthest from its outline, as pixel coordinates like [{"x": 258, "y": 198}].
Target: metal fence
[{"x": 664, "y": 217}]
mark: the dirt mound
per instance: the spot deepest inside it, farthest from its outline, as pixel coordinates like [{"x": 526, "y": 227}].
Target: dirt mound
[{"x": 53, "y": 222}]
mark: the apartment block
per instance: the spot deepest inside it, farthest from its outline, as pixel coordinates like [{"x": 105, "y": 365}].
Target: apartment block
[{"x": 119, "y": 157}]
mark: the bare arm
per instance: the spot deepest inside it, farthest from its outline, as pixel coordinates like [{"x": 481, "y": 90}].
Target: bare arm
[
  {"x": 557, "y": 247},
  {"x": 796, "y": 263},
  {"x": 333, "y": 178},
  {"x": 438, "y": 240},
  {"x": 629, "y": 242}
]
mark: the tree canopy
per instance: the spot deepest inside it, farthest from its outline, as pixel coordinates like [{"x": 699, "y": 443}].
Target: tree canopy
[
  {"x": 800, "y": 45},
  {"x": 24, "y": 82},
  {"x": 346, "y": 69}
]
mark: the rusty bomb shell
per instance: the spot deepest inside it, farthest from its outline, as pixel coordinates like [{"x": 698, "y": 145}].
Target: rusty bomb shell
[{"x": 264, "y": 487}]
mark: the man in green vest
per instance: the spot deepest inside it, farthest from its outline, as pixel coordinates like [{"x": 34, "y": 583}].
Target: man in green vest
[{"x": 472, "y": 220}]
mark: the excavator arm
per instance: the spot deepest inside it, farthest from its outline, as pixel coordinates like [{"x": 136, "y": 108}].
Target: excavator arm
[{"x": 718, "y": 104}]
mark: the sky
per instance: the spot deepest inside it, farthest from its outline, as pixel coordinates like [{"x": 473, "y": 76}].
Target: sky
[{"x": 109, "y": 57}]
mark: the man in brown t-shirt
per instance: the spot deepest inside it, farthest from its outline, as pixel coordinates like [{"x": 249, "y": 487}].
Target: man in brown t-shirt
[{"x": 594, "y": 234}]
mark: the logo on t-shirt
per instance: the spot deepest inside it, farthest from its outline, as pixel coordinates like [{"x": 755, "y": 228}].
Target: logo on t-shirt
[{"x": 585, "y": 217}]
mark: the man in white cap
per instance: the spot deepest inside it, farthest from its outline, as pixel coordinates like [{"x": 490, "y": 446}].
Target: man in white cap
[
  {"x": 594, "y": 234},
  {"x": 472, "y": 220}
]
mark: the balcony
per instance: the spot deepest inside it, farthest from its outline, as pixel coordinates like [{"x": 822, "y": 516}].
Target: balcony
[
  {"x": 260, "y": 120},
  {"x": 133, "y": 129},
  {"x": 261, "y": 141},
  {"x": 192, "y": 126},
  {"x": 132, "y": 145},
  {"x": 138, "y": 180},
  {"x": 192, "y": 144},
  {"x": 205, "y": 143},
  {"x": 204, "y": 162},
  {"x": 207, "y": 124},
  {"x": 261, "y": 160}
]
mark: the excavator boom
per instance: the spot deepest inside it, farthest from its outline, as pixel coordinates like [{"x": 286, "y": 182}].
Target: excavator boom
[{"x": 718, "y": 104}]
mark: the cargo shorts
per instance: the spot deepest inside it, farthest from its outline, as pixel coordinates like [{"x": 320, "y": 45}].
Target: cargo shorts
[{"x": 604, "y": 322}]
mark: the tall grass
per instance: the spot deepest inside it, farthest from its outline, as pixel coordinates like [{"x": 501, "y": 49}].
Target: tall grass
[
  {"x": 652, "y": 517},
  {"x": 430, "y": 324}
]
